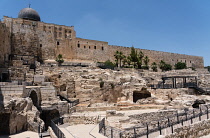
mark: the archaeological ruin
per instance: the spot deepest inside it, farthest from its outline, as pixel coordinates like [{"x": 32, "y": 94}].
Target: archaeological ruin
[{"x": 39, "y": 94}]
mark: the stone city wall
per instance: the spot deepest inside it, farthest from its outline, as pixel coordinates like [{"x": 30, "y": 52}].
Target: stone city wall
[
  {"x": 48, "y": 40},
  {"x": 4, "y": 43},
  {"x": 157, "y": 56},
  {"x": 92, "y": 50}
]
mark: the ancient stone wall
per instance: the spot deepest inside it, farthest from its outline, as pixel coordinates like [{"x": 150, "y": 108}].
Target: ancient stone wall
[
  {"x": 157, "y": 56},
  {"x": 46, "y": 41},
  {"x": 91, "y": 50},
  {"x": 4, "y": 44}
]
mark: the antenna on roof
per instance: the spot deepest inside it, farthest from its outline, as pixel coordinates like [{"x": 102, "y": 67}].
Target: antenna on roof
[{"x": 29, "y": 5}]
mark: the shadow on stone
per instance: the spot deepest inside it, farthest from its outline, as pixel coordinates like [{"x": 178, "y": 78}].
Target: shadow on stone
[
  {"x": 48, "y": 114},
  {"x": 1, "y": 100}
]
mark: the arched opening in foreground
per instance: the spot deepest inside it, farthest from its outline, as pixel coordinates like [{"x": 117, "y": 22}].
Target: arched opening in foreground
[{"x": 34, "y": 98}]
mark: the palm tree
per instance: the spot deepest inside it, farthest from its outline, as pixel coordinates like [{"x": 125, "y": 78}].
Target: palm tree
[
  {"x": 129, "y": 61},
  {"x": 146, "y": 61},
  {"x": 121, "y": 57},
  {"x": 117, "y": 57},
  {"x": 139, "y": 61}
]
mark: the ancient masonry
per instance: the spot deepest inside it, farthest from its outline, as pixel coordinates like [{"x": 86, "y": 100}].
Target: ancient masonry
[{"x": 29, "y": 39}]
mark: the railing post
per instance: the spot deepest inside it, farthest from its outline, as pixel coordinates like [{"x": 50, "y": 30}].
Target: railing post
[
  {"x": 104, "y": 130},
  {"x": 120, "y": 134},
  {"x": 159, "y": 128},
  {"x": 200, "y": 117},
  {"x": 172, "y": 129},
  {"x": 200, "y": 110},
  {"x": 193, "y": 113},
  {"x": 111, "y": 133},
  {"x": 191, "y": 120},
  {"x": 177, "y": 115},
  {"x": 182, "y": 122},
  {"x": 134, "y": 129},
  {"x": 186, "y": 115},
  {"x": 200, "y": 114},
  {"x": 147, "y": 131},
  {"x": 168, "y": 122}
]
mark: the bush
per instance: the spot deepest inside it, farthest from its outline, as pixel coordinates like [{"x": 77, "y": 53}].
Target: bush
[
  {"x": 145, "y": 67},
  {"x": 164, "y": 66},
  {"x": 107, "y": 65},
  {"x": 101, "y": 84},
  {"x": 59, "y": 59},
  {"x": 154, "y": 66},
  {"x": 112, "y": 85},
  {"x": 180, "y": 65}
]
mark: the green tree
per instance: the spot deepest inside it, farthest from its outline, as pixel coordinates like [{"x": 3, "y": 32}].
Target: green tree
[
  {"x": 117, "y": 57},
  {"x": 128, "y": 61},
  {"x": 124, "y": 60},
  {"x": 180, "y": 65},
  {"x": 59, "y": 59},
  {"x": 208, "y": 68},
  {"x": 154, "y": 66},
  {"x": 164, "y": 67},
  {"x": 134, "y": 56},
  {"x": 146, "y": 62},
  {"x": 139, "y": 59},
  {"x": 108, "y": 64},
  {"x": 121, "y": 57}
]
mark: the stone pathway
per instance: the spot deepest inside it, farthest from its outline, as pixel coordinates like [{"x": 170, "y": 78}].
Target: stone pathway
[
  {"x": 81, "y": 131},
  {"x": 26, "y": 134}
]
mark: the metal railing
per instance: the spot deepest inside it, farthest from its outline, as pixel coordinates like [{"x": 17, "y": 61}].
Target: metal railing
[
  {"x": 158, "y": 127},
  {"x": 54, "y": 125},
  {"x": 170, "y": 86}
]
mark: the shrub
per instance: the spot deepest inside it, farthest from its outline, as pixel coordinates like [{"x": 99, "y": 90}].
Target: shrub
[
  {"x": 112, "y": 85},
  {"x": 101, "y": 84},
  {"x": 59, "y": 59},
  {"x": 180, "y": 65},
  {"x": 154, "y": 66},
  {"x": 164, "y": 67}
]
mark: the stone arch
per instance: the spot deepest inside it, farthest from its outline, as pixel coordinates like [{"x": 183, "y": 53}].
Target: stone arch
[
  {"x": 140, "y": 95},
  {"x": 35, "y": 96}
]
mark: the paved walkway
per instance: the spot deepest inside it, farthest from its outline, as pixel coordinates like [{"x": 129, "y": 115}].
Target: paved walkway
[
  {"x": 26, "y": 134},
  {"x": 81, "y": 131}
]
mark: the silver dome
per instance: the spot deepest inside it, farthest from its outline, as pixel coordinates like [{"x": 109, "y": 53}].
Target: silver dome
[{"x": 29, "y": 14}]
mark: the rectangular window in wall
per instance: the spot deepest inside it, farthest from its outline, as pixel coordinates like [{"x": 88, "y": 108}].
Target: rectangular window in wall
[
  {"x": 58, "y": 43},
  {"x": 94, "y": 47}
]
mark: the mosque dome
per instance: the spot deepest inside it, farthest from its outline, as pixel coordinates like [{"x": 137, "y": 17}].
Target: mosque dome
[{"x": 29, "y": 14}]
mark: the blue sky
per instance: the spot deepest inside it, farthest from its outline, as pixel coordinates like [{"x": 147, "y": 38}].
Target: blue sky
[{"x": 177, "y": 26}]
